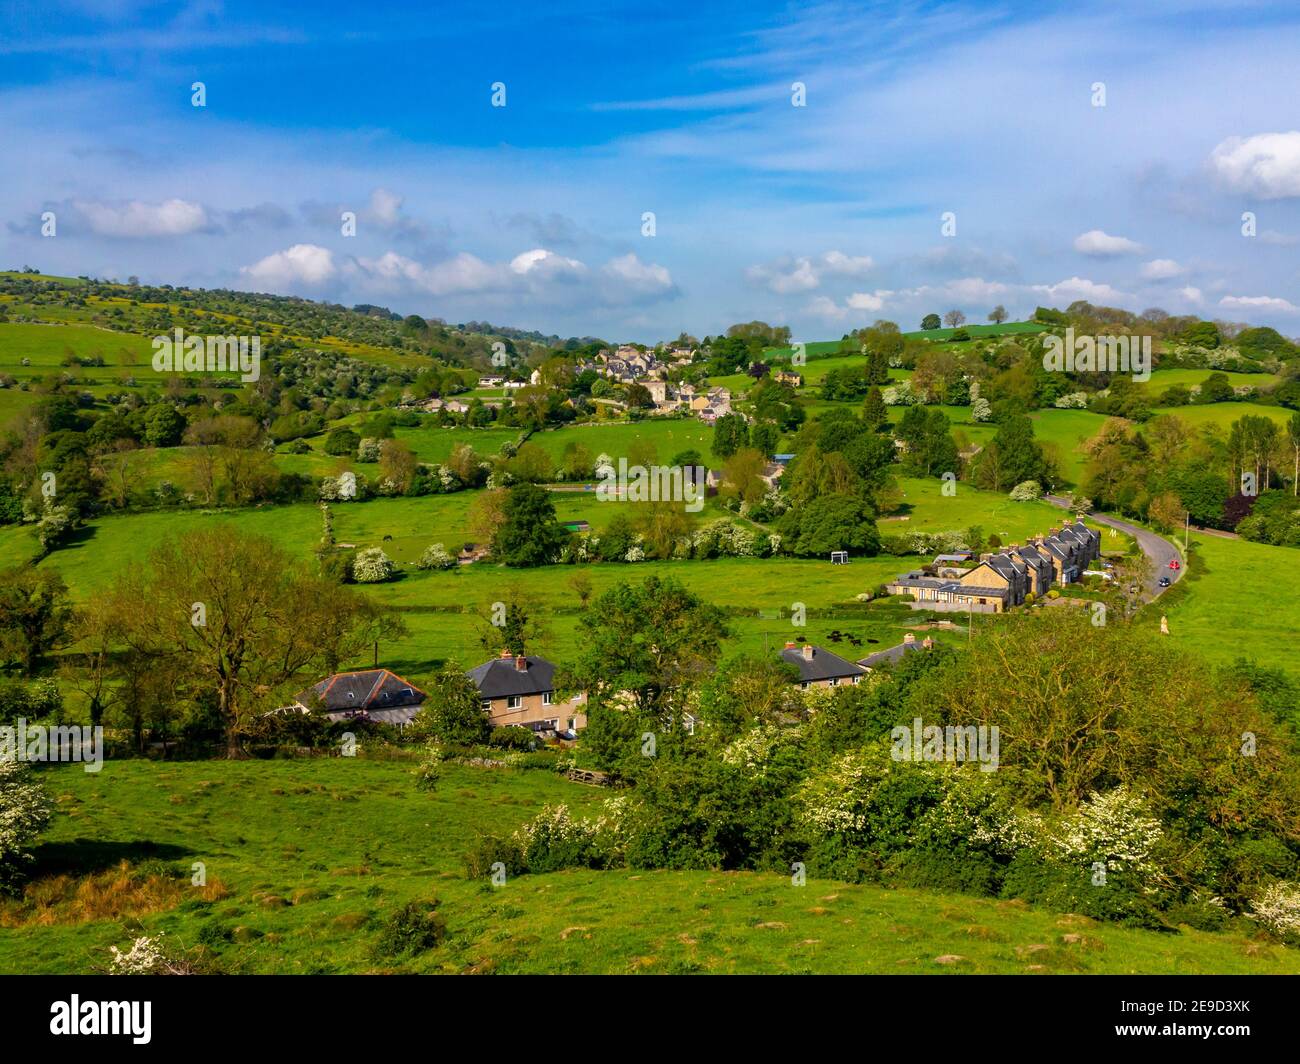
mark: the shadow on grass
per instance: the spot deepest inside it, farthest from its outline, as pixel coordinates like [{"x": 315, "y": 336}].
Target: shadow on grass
[
  {"x": 75, "y": 540},
  {"x": 85, "y": 856}
]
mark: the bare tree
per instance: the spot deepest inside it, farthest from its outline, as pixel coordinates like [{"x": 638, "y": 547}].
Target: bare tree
[{"x": 954, "y": 318}]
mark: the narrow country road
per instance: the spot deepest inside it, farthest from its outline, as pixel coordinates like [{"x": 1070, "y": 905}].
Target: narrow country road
[{"x": 1158, "y": 549}]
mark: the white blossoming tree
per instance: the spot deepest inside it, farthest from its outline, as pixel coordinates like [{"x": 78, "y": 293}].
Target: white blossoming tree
[{"x": 24, "y": 812}]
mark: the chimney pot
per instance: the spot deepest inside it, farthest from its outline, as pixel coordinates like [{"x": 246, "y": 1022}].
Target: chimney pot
[
  {"x": 505, "y": 652},
  {"x": 521, "y": 664},
  {"x": 927, "y": 642},
  {"x": 789, "y": 646},
  {"x": 807, "y": 652},
  {"x": 909, "y": 638}
]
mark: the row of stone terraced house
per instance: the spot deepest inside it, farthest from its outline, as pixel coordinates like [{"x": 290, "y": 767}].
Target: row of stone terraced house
[{"x": 997, "y": 582}]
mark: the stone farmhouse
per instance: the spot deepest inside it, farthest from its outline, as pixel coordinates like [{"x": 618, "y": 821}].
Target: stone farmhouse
[{"x": 520, "y": 690}]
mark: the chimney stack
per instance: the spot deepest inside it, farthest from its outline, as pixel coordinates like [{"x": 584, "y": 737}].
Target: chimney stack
[
  {"x": 807, "y": 652},
  {"x": 521, "y": 664},
  {"x": 928, "y": 643},
  {"x": 909, "y": 638},
  {"x": 505, "y": 653},
  {"x": 789, "y": 646}
]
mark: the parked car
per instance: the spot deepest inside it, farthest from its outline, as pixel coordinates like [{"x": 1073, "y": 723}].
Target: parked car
[
  {"x": 1175, "y": 564},
  {"x": 1164, "y": 581}
]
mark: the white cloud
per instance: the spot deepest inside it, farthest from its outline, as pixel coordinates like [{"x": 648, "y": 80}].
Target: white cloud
[
  {"x": 1191, "y": 293},
  {"x": 385, "y": 207},
  {"x": 974, "y": 290},
  {"x": 638, "y": 275},
  {"x": 1161, "y": 269},
  {"x": 538, "y": 274},
  {"x": 872, "y": 301},
  {"x": 1282, "y": 240},
  {"x": 300, "y": 264},
  {"x": 173, "y": 217},
  {"x": 1102, "y": 245},
  {"x": 1266, "y": 165},
  {"x": 1265, "y": 303},
  {"x": 804, "y": 273},
  {"x": 1074, "y": 288},
  {"x": 837, "y": 262},
  {"x": 542, "y": 263},
  {"x": 825, "y": 307}
]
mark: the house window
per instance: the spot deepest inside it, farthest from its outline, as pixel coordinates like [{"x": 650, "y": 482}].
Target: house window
[
  {"x": 805, "y": 685},
  {"x": 515, "y": 702},
  {"x": 835, "y": 681},
  {"x": 857, "y": 679},
  {"x": 546, "y": 697},
  {"x": 487, "y": 705}
]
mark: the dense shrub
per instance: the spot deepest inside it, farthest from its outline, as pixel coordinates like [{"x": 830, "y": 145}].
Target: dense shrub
[
  {"x": 372, "y": 566},
  {"x": 436, "y": 557},
  {"x": 512, "y": 737},
  {"x": 413, "y": 929}
]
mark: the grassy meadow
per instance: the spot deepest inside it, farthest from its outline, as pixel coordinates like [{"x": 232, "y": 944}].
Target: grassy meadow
[
  {"x": 1238, "y": 599},
  {"x": 304, "y": 860}
]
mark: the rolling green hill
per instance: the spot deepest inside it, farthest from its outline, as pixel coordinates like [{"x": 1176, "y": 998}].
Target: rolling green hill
[{"x": 281, "y": 898}]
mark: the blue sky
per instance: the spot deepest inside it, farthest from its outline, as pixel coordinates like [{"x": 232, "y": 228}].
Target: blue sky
[{"x": 825, "y": 216}]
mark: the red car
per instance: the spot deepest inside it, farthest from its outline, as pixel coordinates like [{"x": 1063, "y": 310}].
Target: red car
[{"x": 1174, "y": 564}]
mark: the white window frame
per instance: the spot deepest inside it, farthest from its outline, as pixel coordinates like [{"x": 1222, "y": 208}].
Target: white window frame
[{"x": 515, "y": 702}]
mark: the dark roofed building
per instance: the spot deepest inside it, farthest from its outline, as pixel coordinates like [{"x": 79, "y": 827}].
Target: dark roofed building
[
  {"x": 520, "y": 690},
  {"x": 373, "y": 694},
  {"x": 820, "y": 668},
  {"x": 894, "y": 655}
]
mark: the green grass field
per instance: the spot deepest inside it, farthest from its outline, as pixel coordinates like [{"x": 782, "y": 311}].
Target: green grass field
[
  {"x": 817, "y": 348},
  {"x": 437, "y": 607},
  {"x": 1167, "y": 378},
  {"x": 1238, "y": 600},
  {"x": 927, "y": 509},
  {"x": 305, "y": 859},
  {"x": 1222, "y": 415}
]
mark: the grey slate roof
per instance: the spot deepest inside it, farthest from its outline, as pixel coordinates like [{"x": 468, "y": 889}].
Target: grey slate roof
[
  {"x": 499, "y": 678},
  {"x": 824, "y": 664},
  {"x": 888, "y": 657},
  {"x": 370, "y": 690}
]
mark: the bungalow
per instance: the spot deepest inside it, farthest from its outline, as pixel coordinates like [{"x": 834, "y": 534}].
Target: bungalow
[
  {"x": 894, "y": 655},
  {"x": 520, "y": 690},
  {"x": 491, "y": 381},
  {"x": 821, "y": 668},
  {"x": 376, "y": 695}
]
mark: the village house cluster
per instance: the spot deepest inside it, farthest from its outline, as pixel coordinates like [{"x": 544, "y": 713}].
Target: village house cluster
[
  {"x": 997, "y": 582},
  {"x": 628, "y": 365},
  {"x": 519, "y": 690}
]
